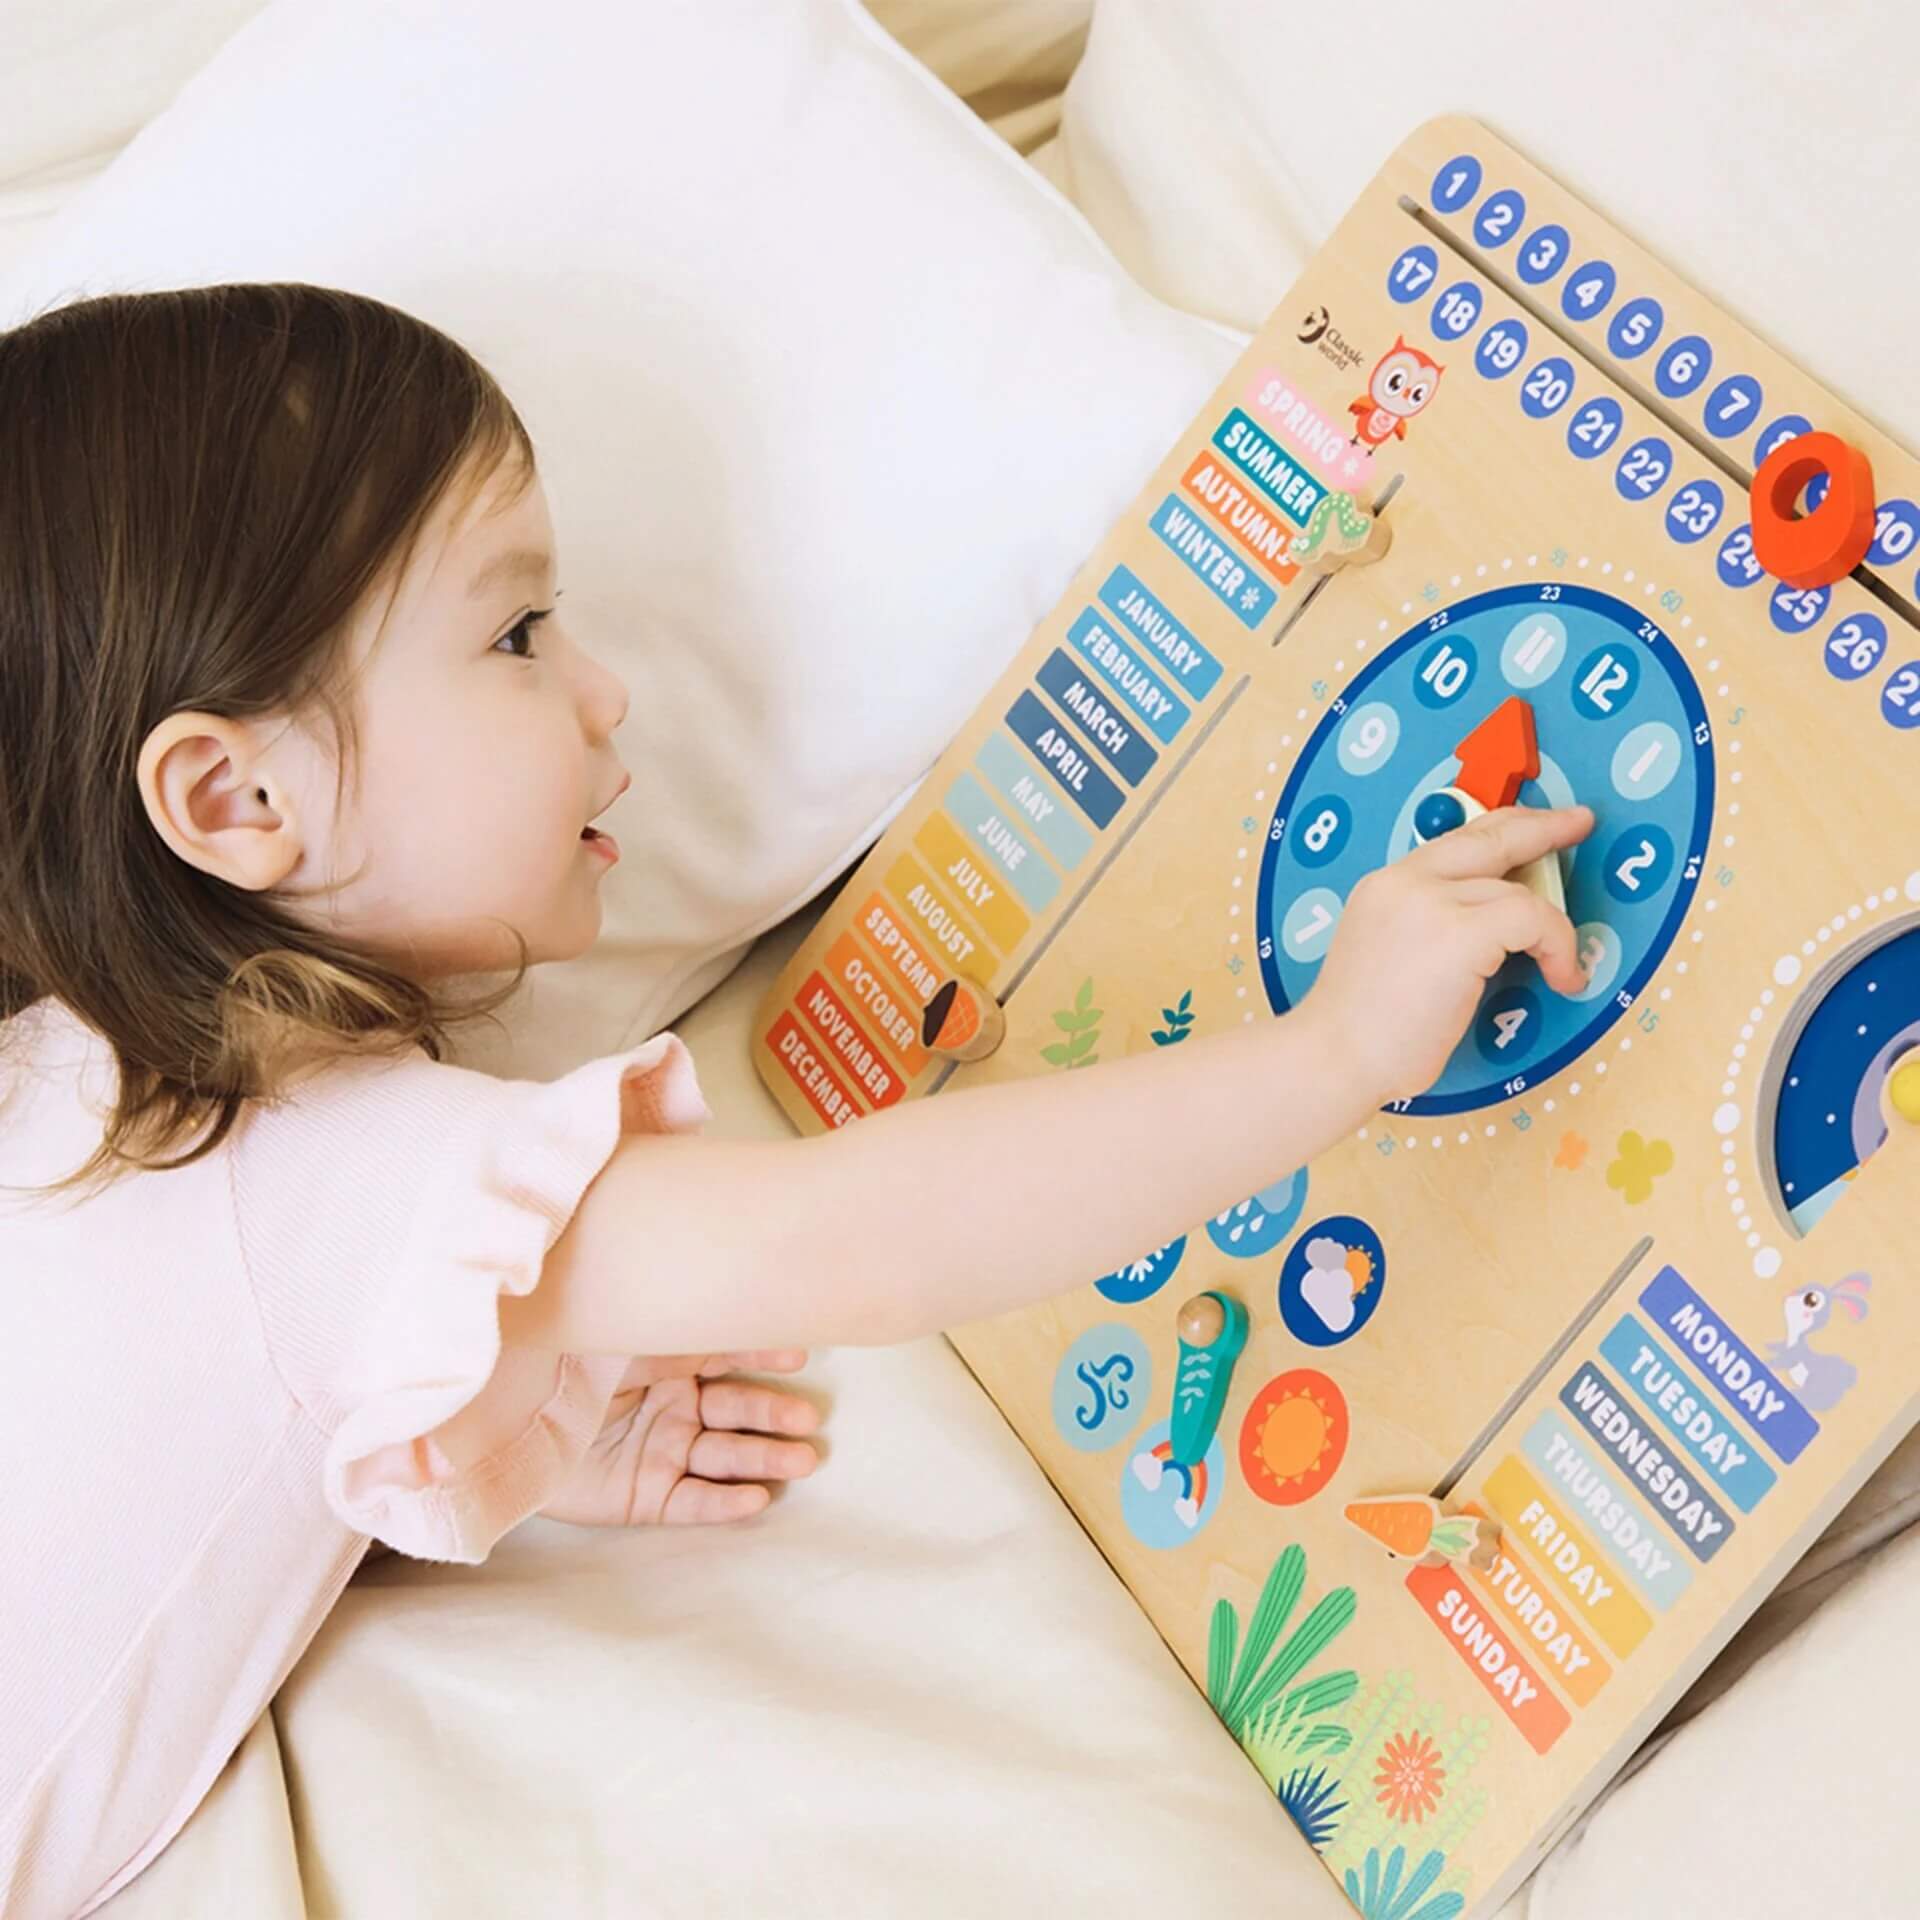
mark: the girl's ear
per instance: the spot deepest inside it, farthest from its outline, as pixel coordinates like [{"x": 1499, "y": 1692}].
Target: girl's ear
[{"x": 210, "y": 796}]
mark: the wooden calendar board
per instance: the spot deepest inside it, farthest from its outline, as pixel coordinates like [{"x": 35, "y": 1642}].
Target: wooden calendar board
[{"x": 1635, "y": 1276}]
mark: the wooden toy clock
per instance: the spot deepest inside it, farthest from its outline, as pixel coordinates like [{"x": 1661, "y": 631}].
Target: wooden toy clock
[{"x": 1445, "y": 1463}]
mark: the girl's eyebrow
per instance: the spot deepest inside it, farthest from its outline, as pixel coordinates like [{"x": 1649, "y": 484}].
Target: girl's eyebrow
[{"x": 517, "y": 561}]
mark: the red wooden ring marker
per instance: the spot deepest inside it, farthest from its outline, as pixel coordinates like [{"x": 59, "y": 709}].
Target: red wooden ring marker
[{"x": 1832, "y": 540}]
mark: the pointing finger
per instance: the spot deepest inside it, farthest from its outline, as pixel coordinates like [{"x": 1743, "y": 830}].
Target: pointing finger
[{"x": 1498, "y": 842}]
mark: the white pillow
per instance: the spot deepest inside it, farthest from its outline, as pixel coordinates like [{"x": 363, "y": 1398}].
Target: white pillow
[
  {"x": 832, "y": 395},
  {"x": 1765, "y": 153}
]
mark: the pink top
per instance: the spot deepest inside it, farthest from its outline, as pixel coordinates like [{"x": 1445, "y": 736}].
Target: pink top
[{"x": 217, "y": 1382}]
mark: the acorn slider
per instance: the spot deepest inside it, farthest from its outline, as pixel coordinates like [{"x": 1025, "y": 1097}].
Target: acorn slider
[{"x": 963, "y": 1022}]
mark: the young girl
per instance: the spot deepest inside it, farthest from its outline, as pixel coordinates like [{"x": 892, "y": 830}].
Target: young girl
[{"x": 292, "y": 737}]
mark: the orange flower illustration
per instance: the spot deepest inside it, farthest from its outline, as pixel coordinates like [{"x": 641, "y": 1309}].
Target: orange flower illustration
[{"x": 1410, "y": 1777}]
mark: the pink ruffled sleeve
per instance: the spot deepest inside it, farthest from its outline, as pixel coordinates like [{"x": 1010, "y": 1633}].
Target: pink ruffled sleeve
[{"x": 385, "y": 1208}]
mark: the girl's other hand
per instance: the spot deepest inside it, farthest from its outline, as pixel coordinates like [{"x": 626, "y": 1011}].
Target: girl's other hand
[
  {"x": 1419, "y": 941},
  {"x": 684, "y": 1445}
]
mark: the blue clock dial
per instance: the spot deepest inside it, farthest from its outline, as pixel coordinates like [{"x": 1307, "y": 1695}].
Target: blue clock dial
[
  {"x": 1621, "y": 728},
  {"x": 1826, "y": 1118}
]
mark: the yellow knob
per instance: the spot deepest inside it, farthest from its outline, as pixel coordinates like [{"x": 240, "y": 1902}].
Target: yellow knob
[{"x": 1904, "y": 1091}]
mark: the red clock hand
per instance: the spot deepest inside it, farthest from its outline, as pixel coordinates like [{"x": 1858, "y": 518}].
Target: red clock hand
[{"x": 1500, "y": 755}]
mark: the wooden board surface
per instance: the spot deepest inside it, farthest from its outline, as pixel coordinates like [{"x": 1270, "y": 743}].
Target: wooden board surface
[{"x": 1589, "y": 1284}]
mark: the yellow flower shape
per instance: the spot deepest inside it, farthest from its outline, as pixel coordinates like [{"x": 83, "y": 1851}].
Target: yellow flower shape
[{"x": 1640, "y": 1164}]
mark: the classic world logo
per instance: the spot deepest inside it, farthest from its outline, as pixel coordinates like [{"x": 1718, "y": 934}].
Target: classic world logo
[{"x": 1318, "y": 331}]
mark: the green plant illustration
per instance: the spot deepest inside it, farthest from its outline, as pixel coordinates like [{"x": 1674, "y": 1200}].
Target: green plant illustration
[
  {"x": 1082, "y": 1024},
  {"x": 1179, "y": 1022},
  {"x": 1286, "y": 1724}
]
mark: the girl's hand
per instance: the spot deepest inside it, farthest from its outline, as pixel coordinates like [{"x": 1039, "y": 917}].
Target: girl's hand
[
  {"x": 683, "y": 1445},
  {"x": 1419, "y": 941}
]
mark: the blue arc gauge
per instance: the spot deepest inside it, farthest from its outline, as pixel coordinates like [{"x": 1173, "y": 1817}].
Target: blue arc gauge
[
  {"x": 1620, "y": 727},
  {"x": 1862, "y": 1019}
]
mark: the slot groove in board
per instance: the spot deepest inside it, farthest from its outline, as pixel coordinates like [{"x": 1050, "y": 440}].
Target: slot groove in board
[
  {"x": 1548, "y": 1361},
  {"x": 1609, "y": 369}
]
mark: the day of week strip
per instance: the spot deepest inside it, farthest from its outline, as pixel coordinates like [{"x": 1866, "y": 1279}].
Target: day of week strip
[
  {"x": 1671, "y": 1393},
  {"x": 1575, "y": 1473},
  {"x": 1566, "y": 1652},
  {"x": 1462, "y": 1618},
  {"x": 1699, "y": 1519},
  {"x": 1753, "y": 1393},
  {"x": 1541, "y": 1524}
]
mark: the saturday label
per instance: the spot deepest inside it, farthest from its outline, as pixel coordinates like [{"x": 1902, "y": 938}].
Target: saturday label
[
  {"x": 1557, "y": 1640},
  {"x": 1486, "y": 1647},
  {"x": 1540, "y": 1523},
  {"x": 1036, "y": 800},
  {"x": 1060, "y": 752},
  {"x": 1250, "y": 598},
  {"x": 1118, "y": 661},
  {"x": 1194, "y": 669},
  {"x": 966, "y": 879},
  {"x": 985, "y": 819},
  {"x": 1753, "y": 1393},
  {"x": 1112, "y": 731},
  {"x": 1699, "y": 1520},
  {"x": 1671, "y": 1394},
  {"x": 1589, "y": 1490}
]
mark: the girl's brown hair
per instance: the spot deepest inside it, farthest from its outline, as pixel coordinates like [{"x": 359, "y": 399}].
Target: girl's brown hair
[{"x": 198, "y": 490}]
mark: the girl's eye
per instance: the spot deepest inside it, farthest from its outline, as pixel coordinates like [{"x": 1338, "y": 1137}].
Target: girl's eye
[{"x": 522, "y": 630}]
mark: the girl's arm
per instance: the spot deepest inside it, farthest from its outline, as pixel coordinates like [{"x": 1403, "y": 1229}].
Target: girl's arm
[{"x": 943, "y": 1211}]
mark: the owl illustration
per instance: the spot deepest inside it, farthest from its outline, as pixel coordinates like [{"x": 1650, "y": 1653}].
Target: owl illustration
[{"x": 1401, "y": 385}]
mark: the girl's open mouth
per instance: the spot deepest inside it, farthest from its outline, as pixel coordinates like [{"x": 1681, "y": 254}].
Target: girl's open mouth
[{"x": 603, "y": 844}]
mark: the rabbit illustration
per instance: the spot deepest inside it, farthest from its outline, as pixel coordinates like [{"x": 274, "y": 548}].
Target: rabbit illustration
[{"x": 1819, "y": 1379}]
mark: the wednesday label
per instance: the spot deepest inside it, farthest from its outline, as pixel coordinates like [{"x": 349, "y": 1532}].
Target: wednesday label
[
  {"x": 1668, "y": 1486},
  {"x": 1753, "y": 1393},
  {"x": 1682, "y": 1406}
]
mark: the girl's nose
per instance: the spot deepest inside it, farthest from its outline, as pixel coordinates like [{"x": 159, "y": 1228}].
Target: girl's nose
[{"x": 603, "y": 697}]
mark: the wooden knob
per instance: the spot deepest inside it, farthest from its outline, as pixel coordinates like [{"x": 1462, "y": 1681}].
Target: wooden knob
[{"x": 1202, "y": 1320}]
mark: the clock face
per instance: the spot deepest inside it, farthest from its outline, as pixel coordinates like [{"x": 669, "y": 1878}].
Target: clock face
[{"x": 1620, "y": 727}]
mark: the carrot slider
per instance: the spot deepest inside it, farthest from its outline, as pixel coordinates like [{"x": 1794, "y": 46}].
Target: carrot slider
[{"x": 1412, "y": 1527}]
